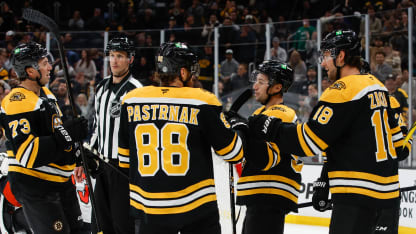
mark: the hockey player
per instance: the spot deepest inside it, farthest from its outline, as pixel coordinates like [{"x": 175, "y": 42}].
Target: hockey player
[
  {"x": 41, "y": 148},
  {"x": 111, "y": 188},
  {"x": 354, "y": 123},
  {"x": 269, "y": 190},
  {"x": 166, "y": 134}
]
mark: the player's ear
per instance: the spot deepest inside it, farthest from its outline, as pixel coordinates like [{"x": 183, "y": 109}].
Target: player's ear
[
  {"x": 184, "y": 74},
  {"x": 131, "y": 59}
]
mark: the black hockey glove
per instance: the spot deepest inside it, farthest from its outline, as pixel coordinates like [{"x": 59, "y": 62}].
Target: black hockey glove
[
  {"x": 320, "y": 201},
  {"x": 95, "y": 167},
  {"x": 77, "y": 128},
  {"x": 236, "y": 121},
  {"x": 264, "y": 127}
]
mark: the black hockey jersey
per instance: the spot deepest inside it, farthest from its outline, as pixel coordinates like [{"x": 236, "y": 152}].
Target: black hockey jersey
[
  {"x": 354, "y": 123},
  {"x": 165, "y": 138},
  {"x": 35, "y": 162},
  {"x": 272, "y": 182}
]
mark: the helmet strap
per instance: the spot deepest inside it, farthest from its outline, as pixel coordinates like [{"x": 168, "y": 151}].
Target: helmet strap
[
  {"x": 338, "y": 75},
  {"x": 270, "y": 95}
]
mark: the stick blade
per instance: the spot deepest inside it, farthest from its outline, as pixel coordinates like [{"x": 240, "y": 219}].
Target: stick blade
[{"x": 40, "y": 18}]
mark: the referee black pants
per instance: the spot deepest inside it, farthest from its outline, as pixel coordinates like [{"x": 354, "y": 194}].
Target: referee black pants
[
  {"x": 352, "y": 219},
  {"x": 113, "y": 203}
]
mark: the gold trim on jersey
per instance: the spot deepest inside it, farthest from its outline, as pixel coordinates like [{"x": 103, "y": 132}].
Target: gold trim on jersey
[
  {"x": 28, "y": 151},
  {"x": 123, "y": 157},
  {"x": 363, "y": 183},
  {"x": 232, "y": 152},
  {"x": 302, "y": 142},
  {"x": 183, "y": 95},
  {"x": 318, "y": 141},
  {"x": 123, "y": 151},
  {"x": 394, "y": 103},
  {"x": 351, "y": 88},
  {"x": 268, "y": 184},
  {"x": 273, "y": 152},
  {"x": 44, "y": 175},
  {"x": 173, "y": 202}
]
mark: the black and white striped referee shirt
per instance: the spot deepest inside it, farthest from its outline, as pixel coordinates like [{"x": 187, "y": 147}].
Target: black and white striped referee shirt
[{"x": 108, "y": 98}]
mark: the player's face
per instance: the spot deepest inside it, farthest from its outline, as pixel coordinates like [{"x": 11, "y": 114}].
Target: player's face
[
  {"x": 119, "y": 62},
  {"x": 45, "y": 70},
  {"x": 328, "y": 64},
  {"x": 260, "y": 88}
]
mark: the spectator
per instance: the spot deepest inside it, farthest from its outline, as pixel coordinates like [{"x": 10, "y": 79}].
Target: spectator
[
  {"x": 392, "y": 87},
  {"x": 375, "y": 22},
  {"x": 308, "y": 103},
  {"x": 240, "y": 80},
  {"x": 177, "y": 11},
  {"x": 76, "y": 22},
  {"x": 311, "y": 78},
  {"x": 85, "y": 105},
  {"x": 6, "y": 17},
  {"x": 228, "y": 67},
  {"x": 96, "y": 22},
  {"x": 303, "y": 34},
  {"x": 247, "y": 37},
  {"x": 197, "y": 11},
  {"x": 13, "y": 79},
  {"x": 377, "y": 45},
  {"x": 312, "y": 53},
  {"x": 4, "y": 74},
  {"x": 381, "y": 69},
  {"x": 86, "y": 65},
  {"x": 10, "y": 37},
  {"x": 228, "y": 33},
  {"x": 208, "y": 30},
  {"x": 299, "y": 69},
  {"x": 394, "y": 61},
  {"x": 325, "y": 83},
  {"x": 172, "y": 29},
  {"x": 206, "y": 64},
  {"x": 276, "y": 52}
]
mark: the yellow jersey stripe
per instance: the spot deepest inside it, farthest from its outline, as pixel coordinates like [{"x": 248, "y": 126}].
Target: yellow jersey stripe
[
  {"x": 363, "y": 175},
  {"x": 274, "y": 191},
  {"x": 318, "y": 141},
  {"x": 278, "y": 178},
  {"x": 365, "y": 192},
  {"x": 270, "y": 147},
  {"x": 174, "y": 210},
  {"x": 177, "y": 194},
  {"x": 398, "y": 143},
  {"x": 228, "y": 148},
  {"x": 303, "y": 144},
  {"x": 238, "y": 157},
  {"x": 63, "y": 168},
  {"x": 123, "y": 165},
  {"x": 23, "y": 147},
  {"x": 123, "y": 151},
  {"x": 38, "y": 174},
  {"x": 34, "y": 153}
]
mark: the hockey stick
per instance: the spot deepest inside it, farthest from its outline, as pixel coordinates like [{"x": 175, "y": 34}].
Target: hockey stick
[
  {"x": 405, "y": 189},
  {"x": 40, "y": 18},
  {"x": 237, "y": 104},
  {"x": 103, "y": 159}
]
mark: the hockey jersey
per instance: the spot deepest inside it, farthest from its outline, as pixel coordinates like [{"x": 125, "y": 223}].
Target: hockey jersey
[
  {"x": 165, "y": 138},
  {"x": 35, "y": 163},
  {"x": 275, "y": 181},
  {"x": 356, "y": 126}
]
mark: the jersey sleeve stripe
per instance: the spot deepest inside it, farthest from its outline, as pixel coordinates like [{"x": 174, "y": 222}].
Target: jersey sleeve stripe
[
  {"x": 23, "y": 147},
  {"x": 318, "y": 141},
  {"x": 43, "y": 172},
  {"x": 238, "y": 157},
  {"x": 399, "y": 143},
  {"x": 122, "y": 151},
  {"x": 302, "y": 141},
  {"x": 364, "y": 184},
  {"x": 274, "y": 155},
  {"x": 123, "y": 165},
  {"x": 274, "y": 191},
  {"x": 228, "y": 148},
  {"x": 364, "y": 176},
  {"x": 34, "y": 153}
]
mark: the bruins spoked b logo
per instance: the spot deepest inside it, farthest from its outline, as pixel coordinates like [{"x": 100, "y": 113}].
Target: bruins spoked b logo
[{"x": 58, "y": 225}]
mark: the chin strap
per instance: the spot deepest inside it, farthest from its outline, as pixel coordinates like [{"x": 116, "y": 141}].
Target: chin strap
[
  {"x": 338, "y": 68},
  {"x": 37, "y": 79},
  {"x": 270, "y": 95}
]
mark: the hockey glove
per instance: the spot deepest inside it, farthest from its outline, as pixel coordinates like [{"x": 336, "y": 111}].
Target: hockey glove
[
  {"x": 77, "y": 128},
  {"x": 94, "y": 165},
  {"x": 236, "y": 121},
  {"x": 264, "y": 127},
  {"x": 320, "y": 201}
]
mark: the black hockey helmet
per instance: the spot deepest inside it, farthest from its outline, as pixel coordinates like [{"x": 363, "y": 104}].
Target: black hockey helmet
[
  {"x": 336, "y": 41},
  {"x": 27, "y": 55},
  {"x": 120, "y": 44},
  {"x": 172, "y": 56},
  {"x": 277, "y": 72}
]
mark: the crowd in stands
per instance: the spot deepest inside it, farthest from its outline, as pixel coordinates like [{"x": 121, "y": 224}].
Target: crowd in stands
[{"x": 242, "y": 39}]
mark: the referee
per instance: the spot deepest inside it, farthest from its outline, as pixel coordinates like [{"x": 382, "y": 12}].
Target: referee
[{"x": 111, "y": 189}]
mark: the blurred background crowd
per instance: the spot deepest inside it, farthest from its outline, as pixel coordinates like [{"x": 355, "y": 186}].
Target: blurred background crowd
[{"x": 242, "y": 40}]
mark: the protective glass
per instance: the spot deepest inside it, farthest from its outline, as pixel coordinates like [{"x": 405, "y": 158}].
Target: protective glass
[
  {"x": 254, "y": 78},
  {"x": 195, "y": 70}
]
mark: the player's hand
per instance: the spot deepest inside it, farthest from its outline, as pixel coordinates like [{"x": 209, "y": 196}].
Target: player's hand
[
  {"x": 77, "y": 128},
  {"x": 320, "y": 201},
  {"x": 78, "y": 174},
  {"x": 95, "y": 166},
  {"x": 236, "y": 121},
  {"x": 264, "y": 127}
]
